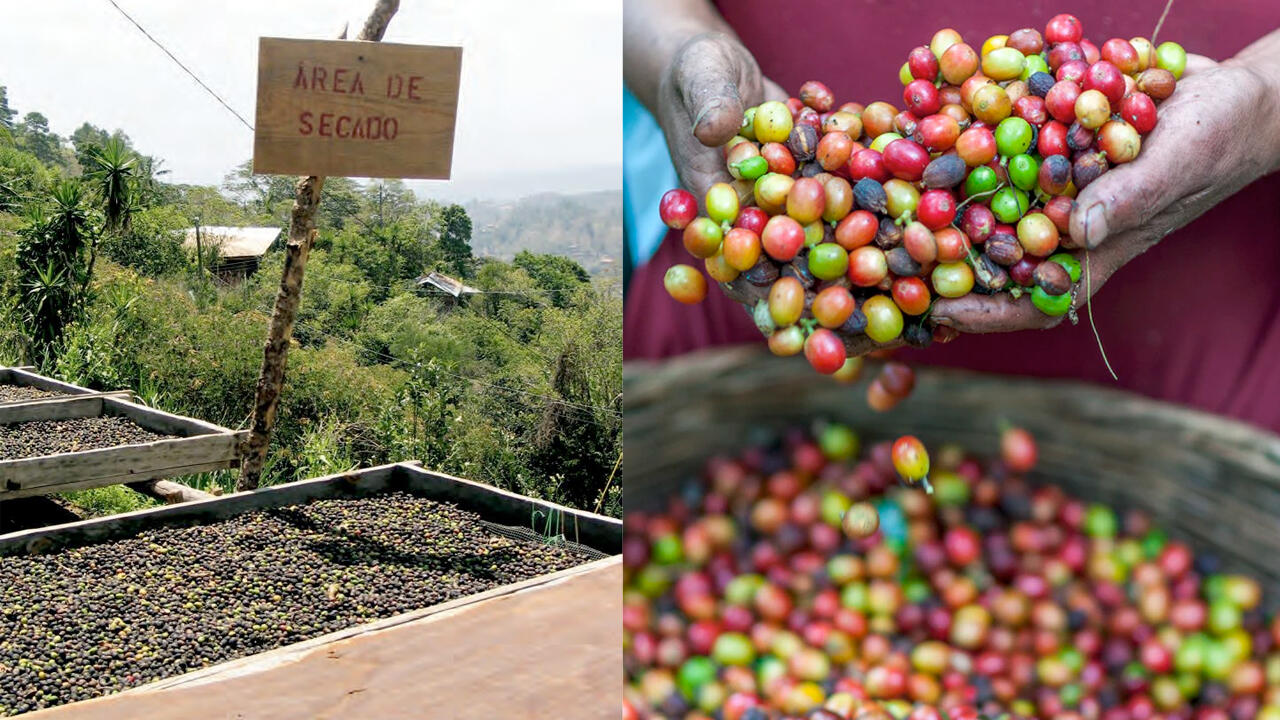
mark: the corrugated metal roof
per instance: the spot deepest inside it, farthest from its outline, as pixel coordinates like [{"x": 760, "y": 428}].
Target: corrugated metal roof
[
  {"x": 234, "y": 242},
  {"x": 446, "y": 284}
]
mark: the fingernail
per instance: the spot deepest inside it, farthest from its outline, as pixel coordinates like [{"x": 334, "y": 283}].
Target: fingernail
[
  {"x": 706, "y": 109},
  {"x": 942, "y": 320},
  {"x": 1095, "y": 226}
]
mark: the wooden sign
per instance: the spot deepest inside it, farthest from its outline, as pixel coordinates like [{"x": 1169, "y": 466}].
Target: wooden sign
[{"x": 355, "y": 109}]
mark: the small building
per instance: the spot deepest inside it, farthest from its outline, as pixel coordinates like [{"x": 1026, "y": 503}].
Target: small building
[
  {"x": 240, "y": 249},
  {"x": 434, "y": 283}
]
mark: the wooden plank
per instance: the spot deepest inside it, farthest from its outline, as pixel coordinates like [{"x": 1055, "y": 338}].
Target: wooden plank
[
  {"x": 368, "y": 481},
  {"x": 169, "y": 492},
  {"x": 159, "y": 420},
  {"x": 167, "y": 472},
  {"x": 601, "y": 533},
  {"x": 96, "y": 482},
  {"x": 139, "y": 461},
  {"x": 26, "y": 375},
  {"x": 356, "y": 109},
  {"x": 67, "y": 408},
  {"x": 119, "y": 394}
]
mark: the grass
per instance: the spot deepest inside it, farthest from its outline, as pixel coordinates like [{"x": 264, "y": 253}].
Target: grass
[
  {"x": 116, "y": 499},
  {"x": 111, "y": 500}
]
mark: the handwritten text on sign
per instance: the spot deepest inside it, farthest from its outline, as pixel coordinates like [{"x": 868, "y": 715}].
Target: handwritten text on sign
[{"x": 355, "y": 109}]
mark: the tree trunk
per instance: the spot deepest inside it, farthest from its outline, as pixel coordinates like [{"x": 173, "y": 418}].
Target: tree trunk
[{"x": 302, "y": 231}]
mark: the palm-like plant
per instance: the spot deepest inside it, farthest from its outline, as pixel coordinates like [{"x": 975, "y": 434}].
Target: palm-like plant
[
  {"x": 68, "y": 226},
  {"x": 113, "y": 169},
  {"x": 52, "y": 265},
  {"x": 48, "y": 304},
  {"x": 10, "y": 199}
]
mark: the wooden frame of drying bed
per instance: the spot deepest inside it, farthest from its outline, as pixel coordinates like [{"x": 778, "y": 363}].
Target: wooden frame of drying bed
[
  {"x": 25, "y": 377},
  {"x": 601, "y": 533},
  {"x": 198, "y": 447}
]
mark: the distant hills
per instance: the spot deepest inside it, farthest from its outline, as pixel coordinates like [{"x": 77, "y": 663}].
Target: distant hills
[{"x": 584, "y": 226}]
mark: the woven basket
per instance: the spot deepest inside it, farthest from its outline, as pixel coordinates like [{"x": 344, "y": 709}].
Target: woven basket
[{"x": 1211, "y": 481}]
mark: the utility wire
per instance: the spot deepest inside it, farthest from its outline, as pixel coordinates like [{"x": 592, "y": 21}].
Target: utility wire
[{"x": 184, "y": 67}]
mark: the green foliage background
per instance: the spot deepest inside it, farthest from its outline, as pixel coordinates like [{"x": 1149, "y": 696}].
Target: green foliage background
[{"x": 518, "y": 386}]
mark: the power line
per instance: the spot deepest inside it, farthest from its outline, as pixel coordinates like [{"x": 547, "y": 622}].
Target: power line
[
  {"x": 409, "y": 285},
  {"x": 184, "y": 67}
]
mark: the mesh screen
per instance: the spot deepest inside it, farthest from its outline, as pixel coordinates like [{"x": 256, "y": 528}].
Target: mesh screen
[{"x": 528, "y": 535}]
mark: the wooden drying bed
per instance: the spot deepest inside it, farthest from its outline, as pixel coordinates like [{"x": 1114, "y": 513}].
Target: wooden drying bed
[
  {"x": 546, "y": 642},
  {"x": 602, "y": 534},
  {"x": 24, "y": 377},
  {"x": 198, "y": 446}
]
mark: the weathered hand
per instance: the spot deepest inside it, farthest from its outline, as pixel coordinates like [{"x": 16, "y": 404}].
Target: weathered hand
[
  {"x": 709, "y": 84},
  {"x": 1216, "y": 134}
]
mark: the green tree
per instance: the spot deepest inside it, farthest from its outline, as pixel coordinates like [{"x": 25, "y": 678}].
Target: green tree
[
  {"x": 576, "y": 440},
  {"x": 23, "y": 177},
  {"x": 341, "y": 202},
  {"x": 559, "y": 275},
  {"x": 148, "y": 190},
  {"x": 455, "y": 239},
  {"x": 387, "y": 202},
  {"x": 6, "y": 113},
  {"x": 153, "y": 243},
  {"x": 259, "y": 193},
  {"x": 35, "y": 137},
  {"x": 207, "y": 204},
  {"x": 87, "y": 139}
]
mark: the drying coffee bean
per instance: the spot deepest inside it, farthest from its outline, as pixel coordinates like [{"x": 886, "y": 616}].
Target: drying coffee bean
[
  {"x": 1004, "y": 249},
  {"x": 1052, "y": 278}
]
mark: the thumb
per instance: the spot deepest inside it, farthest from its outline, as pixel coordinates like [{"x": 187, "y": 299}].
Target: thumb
[
  {"x": 707, "y": 81},
  {"x": 1124, "y": 198},
  {"x": 1128, "y": 196}
]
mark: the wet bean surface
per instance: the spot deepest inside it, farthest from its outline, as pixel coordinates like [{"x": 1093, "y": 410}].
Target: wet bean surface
[
  {"x": 51, "y": 437},
  {"x": 11, "y": 393}
]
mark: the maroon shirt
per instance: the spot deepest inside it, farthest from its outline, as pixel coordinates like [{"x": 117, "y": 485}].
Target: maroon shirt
[{"x": 1195, "y": 320}]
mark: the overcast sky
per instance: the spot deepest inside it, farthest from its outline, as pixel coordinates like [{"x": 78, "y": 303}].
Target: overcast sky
[{"x": 540, "y": 107}]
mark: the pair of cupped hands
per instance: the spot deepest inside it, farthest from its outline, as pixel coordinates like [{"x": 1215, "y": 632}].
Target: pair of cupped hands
[{"x": 1216, "y": 134}]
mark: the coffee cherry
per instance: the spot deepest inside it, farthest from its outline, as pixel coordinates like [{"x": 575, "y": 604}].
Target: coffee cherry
[
  {"x": 860, "y": 521},
  {"x": 678, "y": 208}
]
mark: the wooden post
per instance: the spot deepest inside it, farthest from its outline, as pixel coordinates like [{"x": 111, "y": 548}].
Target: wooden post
[
  {"x": 169, "y": 492},
  {"x": 302, "y": 231},
  {"x": 199, "y": 252}
]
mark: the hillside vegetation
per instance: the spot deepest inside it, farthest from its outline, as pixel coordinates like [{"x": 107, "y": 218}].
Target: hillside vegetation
[{"x": 519, "y": 386}]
